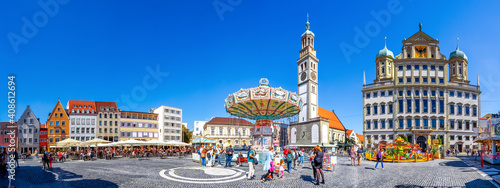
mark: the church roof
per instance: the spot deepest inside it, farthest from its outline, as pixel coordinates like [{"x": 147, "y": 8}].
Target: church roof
[{"x": 334, "y": 121}]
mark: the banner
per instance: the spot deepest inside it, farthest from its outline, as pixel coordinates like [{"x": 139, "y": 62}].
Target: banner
[{"x": 333, "y": 160}]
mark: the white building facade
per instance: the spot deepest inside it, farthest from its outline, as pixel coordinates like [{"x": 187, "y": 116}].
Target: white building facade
[
  {"x": 421, "y": 94},
  {"x": 28, "y": 126},
  {"x": 198, "y": 128},
  {"x": 169, "y": 122},
  {"x": 82, "y": 118}
]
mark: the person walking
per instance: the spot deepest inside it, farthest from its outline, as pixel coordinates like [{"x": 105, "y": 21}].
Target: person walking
[
  {"x": 214, "y": 152},
  {"x": 45, "y": 160},
  {"x": 301, "y": 157},
  {"x": 4, "y": 158},
  {"x": 352, "y": 155},
  {"x": 50, "y": 161},
  {"x": 448, "y": 153},
  {"x": 359, "y": 153},
  {"x": 318, "y": 165},
  {"x": 380, "y": 158},
  {"x": 229, "y": 155},
  {"x": 466, "y": 150},
  {"x": 295, "y": 158},
  {"x": 289, "y": 160},
  {"x": 251, "y": 165},
  {"x": 209, "y": 157},
  {"x": 269, "y": 164},
  {"x": 219, "y": 153},
  {"x": 16, "y": 157},
  {"x": 311, "y": 158},
  {"x": 203, "y": 157}
]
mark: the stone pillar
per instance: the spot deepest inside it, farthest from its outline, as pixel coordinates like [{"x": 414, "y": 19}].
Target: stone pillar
[{"x": 494, "y": 147}]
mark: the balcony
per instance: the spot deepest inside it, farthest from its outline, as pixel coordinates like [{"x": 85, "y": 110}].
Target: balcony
[
  {"x": 476, "y": 87},
  {"x": 378, "y": 84}
]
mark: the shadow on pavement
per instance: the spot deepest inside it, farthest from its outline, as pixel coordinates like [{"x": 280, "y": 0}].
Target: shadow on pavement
[
  {"x": 306, "y": 178},
  {"x": 408, "y": 186},
  {"x": 453, "y": 164},
  {"x": 34, "y": 176},
  {"x": 479, "y": 183}
]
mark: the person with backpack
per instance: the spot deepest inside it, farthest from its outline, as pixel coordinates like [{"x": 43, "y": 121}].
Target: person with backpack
[
  {"x": 380, "y": 158},
  {"x": 360, "y": 153},
  {"x": 252, "y": 160},
  {"x": 229, "y": 156},
  {"x": 318, "y": 165},
  {"x": 209, "y": 157},
  {"x": 289, "y": 160}
]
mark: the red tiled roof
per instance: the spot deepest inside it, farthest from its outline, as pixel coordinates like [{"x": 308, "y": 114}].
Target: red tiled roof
[
  {"x": 360, "y": 137},
  {"x": 228, "y": 121},
  {"x": 332, "y": 117},
  {"x": 75, "y": 106},
  {"x": 349, "y": 132},
  {"x": 99, "y": 104},
  {"x": 42, "y": 126}
]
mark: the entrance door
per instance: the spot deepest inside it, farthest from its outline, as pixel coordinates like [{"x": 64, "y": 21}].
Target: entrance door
[
  {"x": 421, "y": 141},
  {"x": 460, "y": 147}
]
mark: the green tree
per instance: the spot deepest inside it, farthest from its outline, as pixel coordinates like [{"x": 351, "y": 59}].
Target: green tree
[
  {"x": 186, "y": 134},
  {"x": 351, "y": 141}
]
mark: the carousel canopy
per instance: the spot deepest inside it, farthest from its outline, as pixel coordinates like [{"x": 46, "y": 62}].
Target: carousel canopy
[{"x": 263, "y": 102}]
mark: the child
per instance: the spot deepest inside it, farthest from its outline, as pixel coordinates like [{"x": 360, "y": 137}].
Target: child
[
  {"x": 50, "y": 161},
  {"x": 282, "y": 169}
]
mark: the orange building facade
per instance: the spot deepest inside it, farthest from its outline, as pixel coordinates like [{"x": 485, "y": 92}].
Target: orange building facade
[{"x": 57, "y": 125}]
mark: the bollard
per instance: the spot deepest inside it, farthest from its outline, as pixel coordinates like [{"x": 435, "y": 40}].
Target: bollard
[{"x": 481, "y": 159}]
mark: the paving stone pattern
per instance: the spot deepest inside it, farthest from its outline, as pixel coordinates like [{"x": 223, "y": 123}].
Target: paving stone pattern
[{"x": 147, "y": 173}]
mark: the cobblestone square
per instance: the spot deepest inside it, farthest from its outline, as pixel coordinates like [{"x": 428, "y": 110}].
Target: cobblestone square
[{"x": 174, "y": 172}]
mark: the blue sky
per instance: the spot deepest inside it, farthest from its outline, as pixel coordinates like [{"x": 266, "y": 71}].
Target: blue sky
[{"x": 95, "y": 50}]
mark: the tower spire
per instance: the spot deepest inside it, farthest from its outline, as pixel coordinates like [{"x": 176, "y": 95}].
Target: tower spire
[
  {"x": 420, "y": 26},
  {"x": 477, "y": 79},
  {"x": 457, "y": 43},
  {"x": 385, "y": 42},
  {"x": 307, "y": 23},
  {"x": 364, "y": 78}
]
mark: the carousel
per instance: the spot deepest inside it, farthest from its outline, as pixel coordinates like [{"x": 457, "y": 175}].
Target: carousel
[
  {"x": 489, "y": 138},
  {"x": 264, "y": 104}
]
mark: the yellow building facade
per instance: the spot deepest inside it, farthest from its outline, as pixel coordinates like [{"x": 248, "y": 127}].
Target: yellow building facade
[{"x": 138, "y": 125}]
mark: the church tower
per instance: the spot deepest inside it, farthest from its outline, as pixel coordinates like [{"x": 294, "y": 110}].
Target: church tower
[{"x": 308, "y": 76}]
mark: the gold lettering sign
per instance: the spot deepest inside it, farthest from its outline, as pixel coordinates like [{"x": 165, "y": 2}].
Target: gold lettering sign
[{"x": 420, "y": 51}]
